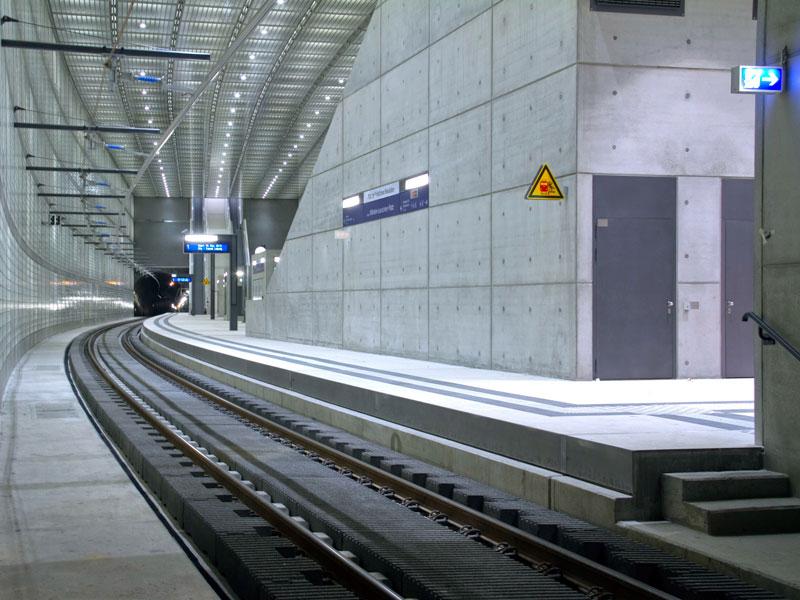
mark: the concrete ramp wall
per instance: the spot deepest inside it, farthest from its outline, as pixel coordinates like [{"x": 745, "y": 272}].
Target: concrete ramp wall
[{"x": 480, "y": 94}]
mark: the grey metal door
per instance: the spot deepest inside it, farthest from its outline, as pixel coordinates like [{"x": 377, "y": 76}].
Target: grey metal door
[
  {"x": 634, "y": 277},
  {"x": 737, "y": 276}
]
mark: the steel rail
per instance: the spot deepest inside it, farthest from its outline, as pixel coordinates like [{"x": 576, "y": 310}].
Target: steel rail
[
  {"x": 345, "y": 571},
  {"x": 578, "y": 570}
]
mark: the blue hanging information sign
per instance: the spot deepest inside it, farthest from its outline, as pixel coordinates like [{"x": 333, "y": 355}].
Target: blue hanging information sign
[
  {"x": 206, "y": 248},
  {"x": 756, "y": 80},
  {"x": 182, "y": 279}
]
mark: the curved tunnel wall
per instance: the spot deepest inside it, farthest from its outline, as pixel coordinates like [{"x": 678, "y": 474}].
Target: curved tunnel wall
[{"x": 50, "y": 279}]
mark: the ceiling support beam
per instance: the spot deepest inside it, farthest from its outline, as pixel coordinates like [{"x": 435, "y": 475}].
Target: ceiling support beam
[
  {"x": 83, "y": 171},
  {"x": 95, "y": 196},
  {"x": 87, "y": 128},
  {"x": 80, "y": 212},
  {"x": 106, "y": 50}
]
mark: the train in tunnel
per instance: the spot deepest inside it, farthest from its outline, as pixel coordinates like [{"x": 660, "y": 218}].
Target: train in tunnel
[{"x": 156, "y": 294}]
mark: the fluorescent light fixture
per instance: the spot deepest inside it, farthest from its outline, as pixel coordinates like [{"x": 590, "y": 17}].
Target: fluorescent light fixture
[
  {"x": 201, "y": 238},
  {"x": 351, "y": 201},
  {"x": 413, "y": 183}
]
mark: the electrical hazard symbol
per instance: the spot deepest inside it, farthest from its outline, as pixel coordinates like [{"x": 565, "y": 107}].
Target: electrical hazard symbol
[{"x": 544, "y": 186}]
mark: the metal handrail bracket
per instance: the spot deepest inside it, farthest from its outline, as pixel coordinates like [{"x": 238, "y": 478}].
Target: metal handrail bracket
[{"x": 769, "y": 335}]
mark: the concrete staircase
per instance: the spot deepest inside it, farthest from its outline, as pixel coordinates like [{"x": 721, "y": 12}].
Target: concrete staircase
[{"x": 731, "y": 502}]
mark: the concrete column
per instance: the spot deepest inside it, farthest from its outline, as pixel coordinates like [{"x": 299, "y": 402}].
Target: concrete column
[{"x": 777, "y": 242}]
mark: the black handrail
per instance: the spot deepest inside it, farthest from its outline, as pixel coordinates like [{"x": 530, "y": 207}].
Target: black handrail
[{"x": 769, "y": 336}]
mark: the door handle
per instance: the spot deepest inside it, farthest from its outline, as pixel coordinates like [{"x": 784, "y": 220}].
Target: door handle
[
  {"x": 729, "y": 304},
  {"x": 670, "y": 304}
]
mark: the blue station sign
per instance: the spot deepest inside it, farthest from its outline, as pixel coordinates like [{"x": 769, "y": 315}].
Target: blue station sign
[
  {"x": 182, "y": 279},
  {"x": 206, "y": 247},
  {"x": 756, "y": 80},
  {"x": 386, "y": 201}
]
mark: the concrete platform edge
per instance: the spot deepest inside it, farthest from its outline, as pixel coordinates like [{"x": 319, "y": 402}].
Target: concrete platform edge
[{"x": 581, "y": 499}]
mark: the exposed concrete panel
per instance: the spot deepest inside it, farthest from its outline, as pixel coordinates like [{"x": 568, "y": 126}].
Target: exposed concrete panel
[
  {"x": 783, "y": 218},
  {"x": 713, "y": 34},
  {"x": 367, "y": 66},
  {"x": 328, "y": 318},
  {"x": 361, "y": 121},
  {"x": 404, "y": 99},
  {"x": 690, "y": 116},
  {"x": 404, "y": 251},
  {"x": 361, "y": 174},
  {"x": 584, "y": 226},
  {"x": 256, "y": 317},
  {"x": 699, "y": 237},
  {"x": 460, "y": 243},
  {"x": 279, "y": 281},
  {"x": 299, "y": 316},
  {"x": 532, "y": 39},
  {"x": 699, "y": 338},
  {"x": 328, "y": 200},
  {"x": 460, "y": 325},
  {"x": 523, "y": 314},
  {"x": 404, "y": 322},
  {"x": 534, "y": 125},
  {"x": 447, "y": 16},
  {"x": 327, "y": 264},
  {"x": 362, "y": 257},
  {"x": 532, "y": 241},
  {"x": 276, "y": 318},
  {"x": 461, "y": 69},
  {"x": 404, "y": 31},
  {"x": 460, "y": 151},
  {"x": 779, "y": 371},
  {"x": 330, "y": 154},
  {"x": 405, "y": 157},
  {"x": 584, "y": 354},
  {"x": 301, "y": 224},
  {"x": 296, "y": 260},
  {"x": 362, "y": 320}
]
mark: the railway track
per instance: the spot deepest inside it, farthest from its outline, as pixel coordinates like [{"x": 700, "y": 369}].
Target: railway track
[{"x": 344, "y": 527}]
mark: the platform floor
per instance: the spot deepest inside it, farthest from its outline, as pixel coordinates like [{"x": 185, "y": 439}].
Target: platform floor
[
  {"x": 635, "y": 415},
  {"x": 72, "y": 525}
]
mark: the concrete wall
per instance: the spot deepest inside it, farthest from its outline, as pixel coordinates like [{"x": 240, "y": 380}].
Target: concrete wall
[
  {"x": 654, "y": 99},
  {"x": 480, "y": 94},
  {"x": 50, "y": 278},
  {"x": 778, "y": 260},
  {"x": 268, "y": 221}
]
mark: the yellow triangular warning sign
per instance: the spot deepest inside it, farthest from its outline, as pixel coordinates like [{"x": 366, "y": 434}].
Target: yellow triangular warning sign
[{"x": 544, "y": 186}]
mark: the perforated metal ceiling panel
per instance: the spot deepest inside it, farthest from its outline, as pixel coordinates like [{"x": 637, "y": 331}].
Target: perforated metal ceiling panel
[{"x": 237, "y": 135}]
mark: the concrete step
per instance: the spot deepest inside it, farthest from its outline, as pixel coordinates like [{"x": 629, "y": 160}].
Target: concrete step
[
  {"x": 724, "y": 485},
  {"x": 749, "y": 516}
]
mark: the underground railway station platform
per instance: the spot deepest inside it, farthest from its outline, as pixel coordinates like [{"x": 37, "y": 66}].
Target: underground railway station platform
[{"x": 399, "y": 299}]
